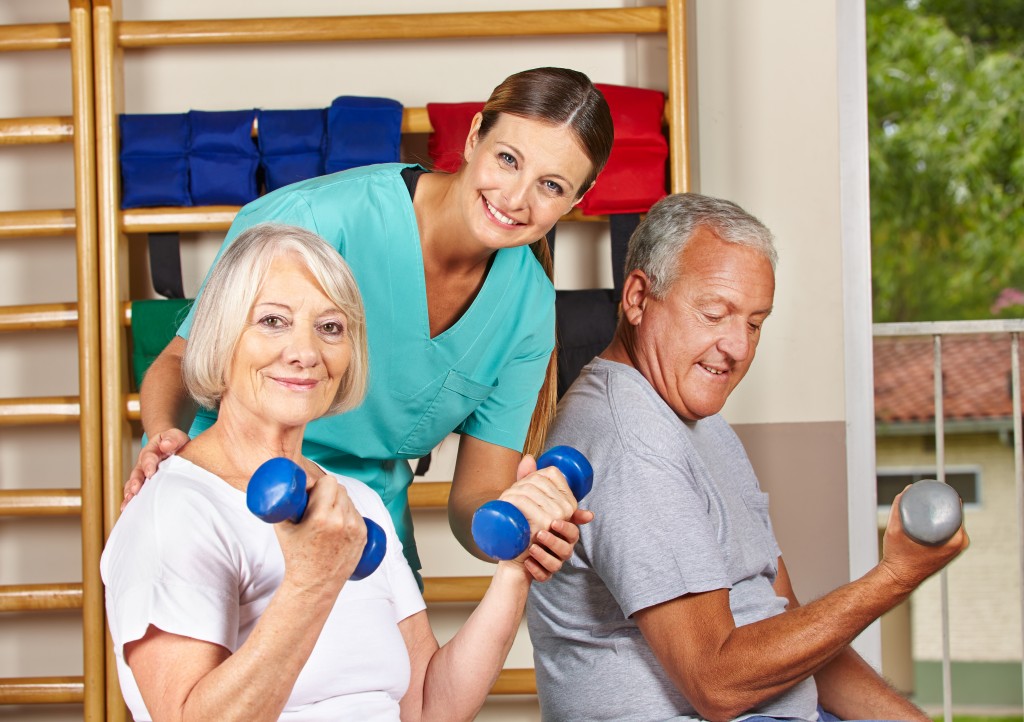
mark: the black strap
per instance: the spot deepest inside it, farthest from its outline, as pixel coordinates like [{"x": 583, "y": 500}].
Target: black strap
[
  {"x": 622, "y": 227},
  {"x": 551, "y": 242},
  {"x": 165, "y": 264}
]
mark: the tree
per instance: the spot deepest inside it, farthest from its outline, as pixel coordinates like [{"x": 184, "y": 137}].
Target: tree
[
  {"x": 993, "y": 24},
  {"x": 946, "y": 120}
]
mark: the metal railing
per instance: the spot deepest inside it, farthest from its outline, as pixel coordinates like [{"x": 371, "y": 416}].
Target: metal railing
[{"x": 937, "y": 331}]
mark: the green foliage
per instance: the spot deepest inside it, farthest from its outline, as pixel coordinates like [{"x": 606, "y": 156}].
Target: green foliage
[
  {"x": 946, "y": 122},
  {"x": 995, "y": 24}
]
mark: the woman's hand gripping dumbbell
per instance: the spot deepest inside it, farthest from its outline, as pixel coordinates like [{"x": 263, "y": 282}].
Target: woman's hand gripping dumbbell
[
  {"x": 931, "y": 512},
  {"x": 277, "y": 492},
  {"x": 501, "y": 530}
]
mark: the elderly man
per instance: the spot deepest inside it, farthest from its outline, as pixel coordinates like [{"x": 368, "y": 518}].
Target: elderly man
[{"x": 676, "y": 603}]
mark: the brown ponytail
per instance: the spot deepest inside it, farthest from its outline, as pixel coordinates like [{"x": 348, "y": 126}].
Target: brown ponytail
[
  {"x": 547, "y": 398},
  {"x": 559, "y": 96}
]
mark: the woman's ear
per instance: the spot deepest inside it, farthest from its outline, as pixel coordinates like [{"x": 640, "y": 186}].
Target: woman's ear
[
  {"x": 474, "y": 136},
  {"x": 577, "y": 201}
]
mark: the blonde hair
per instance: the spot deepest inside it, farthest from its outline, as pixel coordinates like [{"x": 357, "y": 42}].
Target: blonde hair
[{"x": 222, "y": 311}]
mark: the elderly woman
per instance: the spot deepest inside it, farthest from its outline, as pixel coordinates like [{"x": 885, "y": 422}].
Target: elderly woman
[{"x": 217, "y": 615}]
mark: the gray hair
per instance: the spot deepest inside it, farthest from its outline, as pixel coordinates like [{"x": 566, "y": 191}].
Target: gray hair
[
  {"x": 660, "y": 238},
  {"x": 222, "y": 311}
]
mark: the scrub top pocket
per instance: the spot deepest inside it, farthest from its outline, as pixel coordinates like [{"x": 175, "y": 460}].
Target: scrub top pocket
[{"x": 458, "y": 397}]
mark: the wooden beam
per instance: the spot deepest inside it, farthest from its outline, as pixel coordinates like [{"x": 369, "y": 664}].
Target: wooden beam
[
  {"x": 40, "y": 597},
  {"x": 16, "y": 224},
  {"x": 40, "y": 502},
  {"x": 41, "y": 690},
  {"x": 38, "y": 410},
  {"x": 610, "y": 21},
  {"x": 32, "y": 131},
  {"x": 38, "y": 316},
  {"x": 36, "y": 36}
]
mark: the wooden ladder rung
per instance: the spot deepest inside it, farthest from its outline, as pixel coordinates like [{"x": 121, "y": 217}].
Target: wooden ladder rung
[
  {"x": 67, "y": 690},
  {"x": 40, "y": 502},
  {"x": 35, "y": 36},
  {"x": 39, "y": 597},
  {"x": 529, "y": 23},
  {"x": 39, "y": 410},
  {"x": 29, "y": 131},
  {"x": 429, "y": 494},
  {"x": 14, "y": 224},
  {"x": 131, "y": 408},
  {"x": 41, "y": 690},
  {"x": 218, "y": 218},
  {"x": 38, "y": 316},
  {"x": 454, "y": 589},
  {"x": 515, "y": 681}
]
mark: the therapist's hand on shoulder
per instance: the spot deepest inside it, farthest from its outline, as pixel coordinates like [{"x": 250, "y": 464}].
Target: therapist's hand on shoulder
[
  {"x": 159, "y": 447},
  {"x": 547, "y": 502}
]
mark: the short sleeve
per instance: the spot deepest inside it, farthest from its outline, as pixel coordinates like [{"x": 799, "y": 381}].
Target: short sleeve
[
  {"x": 651, "y": 539},
  {"x": 167, "y": 564},
  {"x": 503, "y": 418}
]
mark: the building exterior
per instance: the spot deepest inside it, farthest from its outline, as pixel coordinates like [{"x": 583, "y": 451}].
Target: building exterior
[{"x": 984, "y": 583}]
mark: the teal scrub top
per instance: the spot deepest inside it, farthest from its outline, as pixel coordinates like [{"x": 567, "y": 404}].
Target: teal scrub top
[{"x": 479, "y": 377}]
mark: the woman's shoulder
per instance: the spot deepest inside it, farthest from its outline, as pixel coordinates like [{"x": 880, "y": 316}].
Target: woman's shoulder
[
  {"x": 181, "y": 488},
  {"x": 525, "y": 276},
  {"x": 357, "y": 200},
  {"x": 379, "y": 172}
]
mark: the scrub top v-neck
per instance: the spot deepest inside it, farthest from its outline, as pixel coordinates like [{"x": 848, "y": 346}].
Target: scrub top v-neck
[{"x": 479, "y": 377}]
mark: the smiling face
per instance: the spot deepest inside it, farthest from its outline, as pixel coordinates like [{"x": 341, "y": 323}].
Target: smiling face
[
  {"x": 293, "y": 352},
  {"x": 696, "y": 344},
  {"x": 519, "y": 179}
]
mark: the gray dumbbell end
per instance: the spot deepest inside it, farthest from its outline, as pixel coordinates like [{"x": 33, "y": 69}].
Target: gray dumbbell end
[{"x": 931, "y": 512}]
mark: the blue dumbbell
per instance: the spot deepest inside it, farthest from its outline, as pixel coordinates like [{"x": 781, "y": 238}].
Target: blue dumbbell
[
  {"x": 500, "y": 529},
  {"x": 277, "y": 492},
  {"x": 931, "y": 512}
]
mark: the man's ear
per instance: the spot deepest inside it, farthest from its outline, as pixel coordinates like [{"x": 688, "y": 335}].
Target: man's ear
[
  {"x": 474, "y": 136},
  {"x": 636, "y": 289}
]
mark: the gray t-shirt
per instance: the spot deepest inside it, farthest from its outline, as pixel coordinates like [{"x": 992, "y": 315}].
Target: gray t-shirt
[{"x": 678, "y": 510}]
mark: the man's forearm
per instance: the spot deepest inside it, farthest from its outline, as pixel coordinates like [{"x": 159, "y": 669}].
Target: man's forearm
[
  {"x": 850, "y": 688},
  {"x": 726, "y": 670},
  {"x": 792, "y": 646}
]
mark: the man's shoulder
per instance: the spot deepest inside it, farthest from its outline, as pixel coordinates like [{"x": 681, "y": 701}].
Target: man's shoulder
[{"x": 613, "y": 405}]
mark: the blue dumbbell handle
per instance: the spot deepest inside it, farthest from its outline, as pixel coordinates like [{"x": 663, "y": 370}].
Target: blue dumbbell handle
[
  {"x": 931, "y": 512},
  {"x": 500, "y": 529},
  {"x": 277, "y": 492}
]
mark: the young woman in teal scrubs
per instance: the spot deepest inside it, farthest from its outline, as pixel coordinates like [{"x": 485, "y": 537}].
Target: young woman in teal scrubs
[{"x": 459, "y": 310}]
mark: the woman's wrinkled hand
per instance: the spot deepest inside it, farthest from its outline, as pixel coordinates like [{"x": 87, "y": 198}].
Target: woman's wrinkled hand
[{"x": 322, "y": 550}]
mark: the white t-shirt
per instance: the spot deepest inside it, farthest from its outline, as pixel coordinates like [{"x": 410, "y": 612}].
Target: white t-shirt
[{"x": 188, "y": 556}]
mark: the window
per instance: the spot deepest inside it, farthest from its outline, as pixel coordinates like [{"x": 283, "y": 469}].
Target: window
[{"x": 891, "y": 483}]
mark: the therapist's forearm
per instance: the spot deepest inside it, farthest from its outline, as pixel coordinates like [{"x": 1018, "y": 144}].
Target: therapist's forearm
[
  {"x": 482, "y": 472},
  {"x": 164, "y": 402}
]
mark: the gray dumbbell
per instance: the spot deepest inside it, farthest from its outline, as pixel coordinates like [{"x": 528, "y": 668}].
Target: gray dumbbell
[{"x": 931, "y": 512}]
